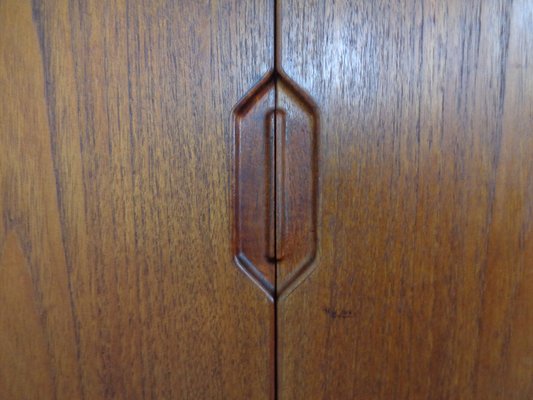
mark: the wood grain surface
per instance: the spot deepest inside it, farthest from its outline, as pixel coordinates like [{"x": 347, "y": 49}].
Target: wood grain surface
[
  {"x": 423, "y": 287},
  {"x": 116, "y": 271}
]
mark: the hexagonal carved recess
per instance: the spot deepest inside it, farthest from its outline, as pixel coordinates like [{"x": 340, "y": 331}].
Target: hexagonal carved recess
[{"x": 275, "y": 185}]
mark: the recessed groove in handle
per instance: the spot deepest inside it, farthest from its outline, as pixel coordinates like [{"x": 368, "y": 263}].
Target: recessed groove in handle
[
  {"x": 281, "y": 167},
  {"x": 272, "y": 173}
]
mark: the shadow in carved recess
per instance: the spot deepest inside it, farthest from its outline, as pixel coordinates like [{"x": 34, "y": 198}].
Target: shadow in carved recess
[{"x": 275, "y": 185}]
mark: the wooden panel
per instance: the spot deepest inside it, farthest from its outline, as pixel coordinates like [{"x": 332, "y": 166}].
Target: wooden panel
[
  {"x": 116, "y": 272},
  {"x": 423, "y": 287}
]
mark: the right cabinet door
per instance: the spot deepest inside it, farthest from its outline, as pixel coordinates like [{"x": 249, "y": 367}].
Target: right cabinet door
[{"x": 422, "y": 286}]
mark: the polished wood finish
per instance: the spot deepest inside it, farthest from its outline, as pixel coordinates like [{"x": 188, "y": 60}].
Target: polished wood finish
[
  {"x": 395, "y": 146},
  {"x": 423, "y": 285},
  {"x": 117, "y": 278}
]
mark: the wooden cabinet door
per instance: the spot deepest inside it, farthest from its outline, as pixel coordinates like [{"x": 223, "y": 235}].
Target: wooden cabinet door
[
  {"x": 116, "y": 272},
  {"x": 423, "y": 283},
  {"x": 368, "y": 164}
]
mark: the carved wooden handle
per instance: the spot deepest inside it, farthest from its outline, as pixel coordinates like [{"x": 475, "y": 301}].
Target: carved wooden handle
[{"x": 276, "y": 177}]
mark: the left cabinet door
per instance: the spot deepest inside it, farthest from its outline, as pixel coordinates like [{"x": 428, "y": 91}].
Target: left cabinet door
[{"x": 116, "y": 271}]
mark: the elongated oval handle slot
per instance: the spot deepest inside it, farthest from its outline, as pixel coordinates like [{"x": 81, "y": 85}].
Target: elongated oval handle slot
[
  {"x": 276, "y": 163},
  {"x": 280, "y": 139},
  {"x": 272, "y": 174}
]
